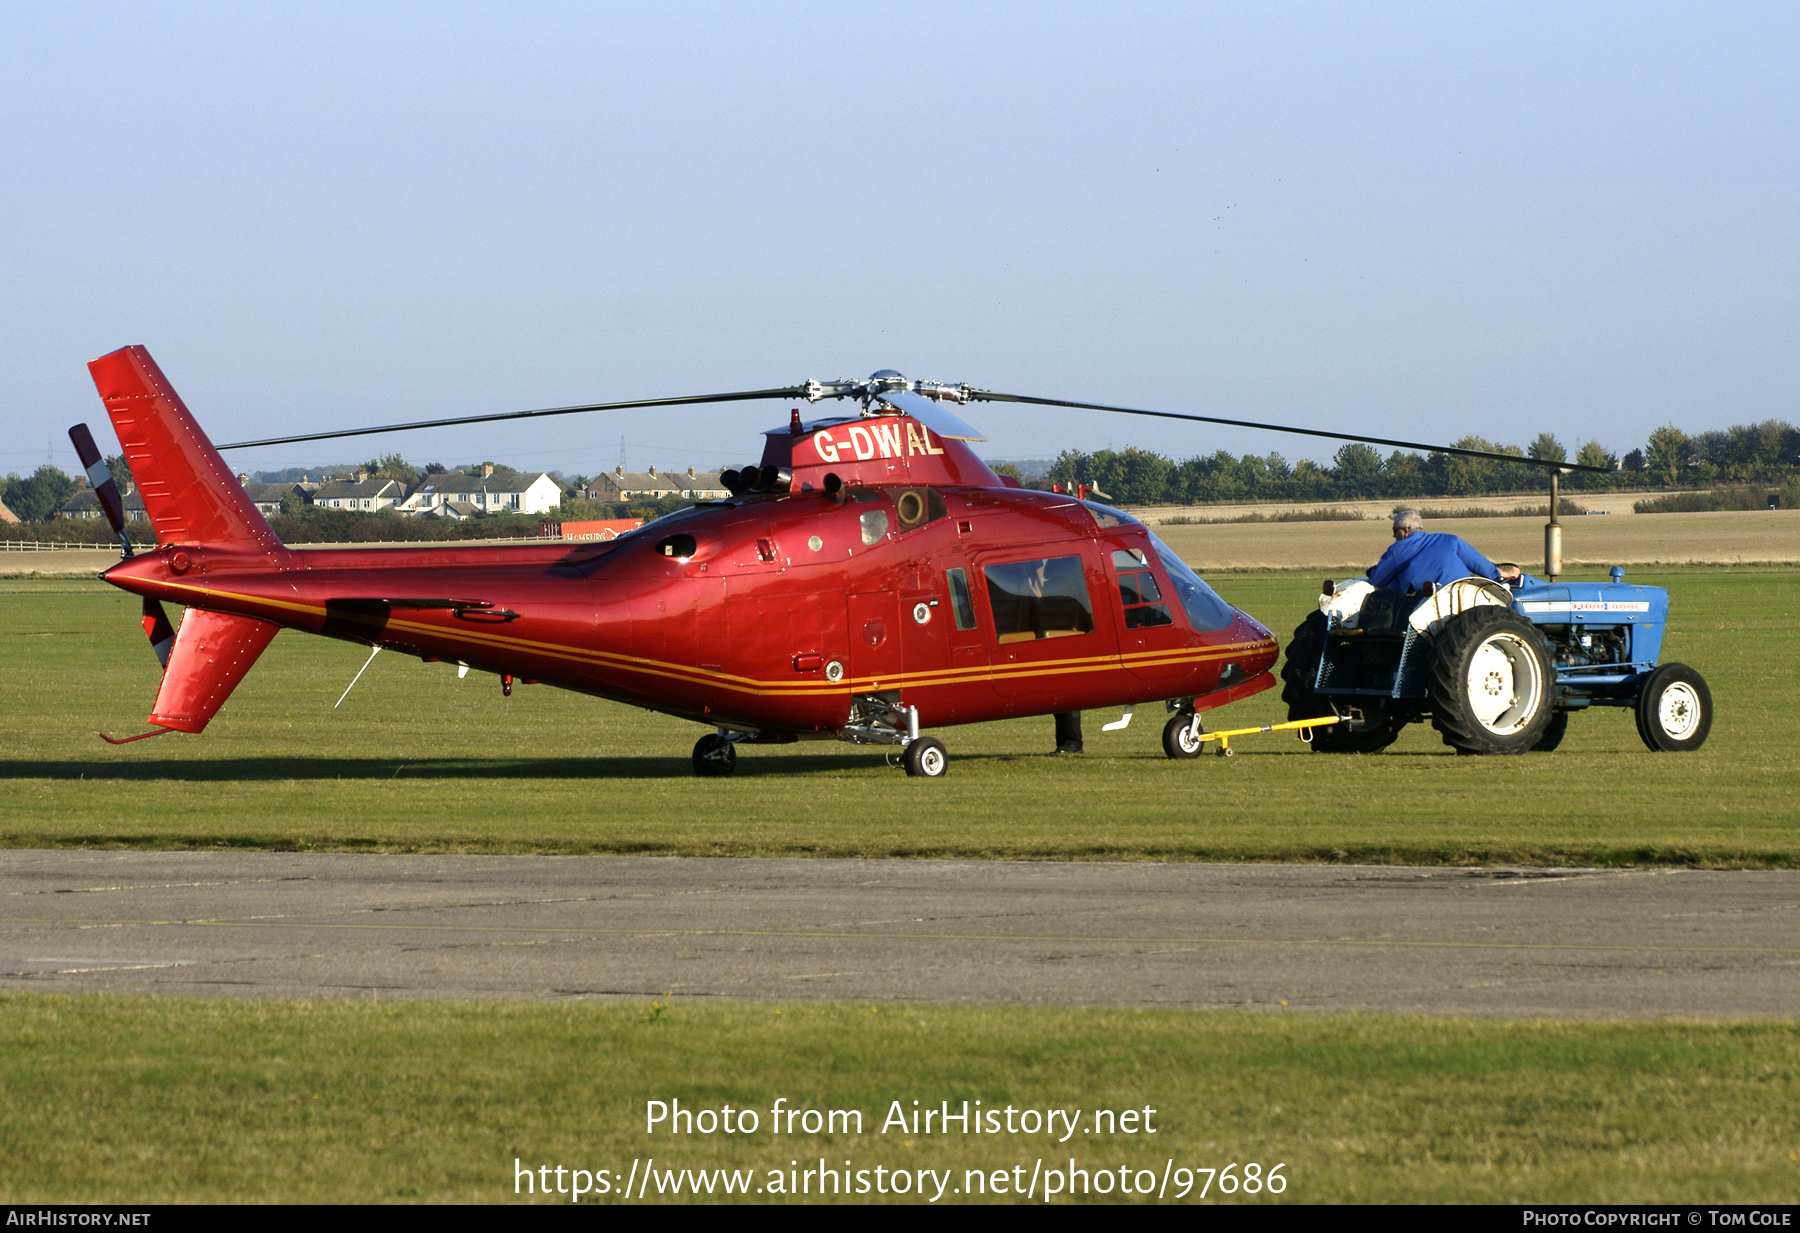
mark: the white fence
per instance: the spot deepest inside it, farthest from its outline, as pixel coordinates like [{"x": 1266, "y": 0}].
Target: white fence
[{"x": 32, "y": 545}]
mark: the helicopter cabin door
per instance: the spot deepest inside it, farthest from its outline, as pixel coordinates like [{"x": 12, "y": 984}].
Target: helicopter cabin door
[
  {"x": 875, "y": 641},
  {"x": 1153, "y": 637},
  {"x": 944, "y": 644}
]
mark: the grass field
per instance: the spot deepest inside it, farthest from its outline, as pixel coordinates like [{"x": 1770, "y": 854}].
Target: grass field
[
  {"x": 136, "y": 1100},
  {"x": 418, "y": 761}
]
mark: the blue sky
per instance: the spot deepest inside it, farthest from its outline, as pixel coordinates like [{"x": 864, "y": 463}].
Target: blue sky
[{"x": 1427, "y": 220}]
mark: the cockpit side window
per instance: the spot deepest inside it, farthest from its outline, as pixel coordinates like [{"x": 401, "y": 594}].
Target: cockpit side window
[{"x": 1141, "y": 598}]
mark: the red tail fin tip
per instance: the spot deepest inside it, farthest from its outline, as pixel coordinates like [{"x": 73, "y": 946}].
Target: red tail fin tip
[{"x": 192, "y": 497}]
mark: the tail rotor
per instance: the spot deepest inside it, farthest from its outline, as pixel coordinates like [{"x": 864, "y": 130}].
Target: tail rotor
[
  {"x": 106, "y": 492},
  {"x": 100, "y": 479}
]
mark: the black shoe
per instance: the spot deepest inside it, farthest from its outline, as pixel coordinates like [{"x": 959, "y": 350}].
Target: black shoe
[{"x": 1069, "y": 747}]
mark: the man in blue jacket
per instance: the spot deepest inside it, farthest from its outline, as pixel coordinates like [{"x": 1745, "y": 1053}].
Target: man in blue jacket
[{"x": 1420, "y": 556}]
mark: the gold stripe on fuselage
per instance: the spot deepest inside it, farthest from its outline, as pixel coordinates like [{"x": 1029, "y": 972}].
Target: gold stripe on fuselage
[{"x": 762, "y": 686}]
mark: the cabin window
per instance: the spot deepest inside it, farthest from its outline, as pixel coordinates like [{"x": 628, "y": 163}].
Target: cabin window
[
  {"x": 1138, "y": 592},
  {"x": 961, "y": 602},
  {"x": 1039, "y": 599}
]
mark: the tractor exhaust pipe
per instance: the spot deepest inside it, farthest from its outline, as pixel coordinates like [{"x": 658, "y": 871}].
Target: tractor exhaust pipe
[{"x": 1553, "y": 531}]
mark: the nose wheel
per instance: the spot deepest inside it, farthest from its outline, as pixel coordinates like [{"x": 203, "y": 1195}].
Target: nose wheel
[{"x": 1181, "y": 736}]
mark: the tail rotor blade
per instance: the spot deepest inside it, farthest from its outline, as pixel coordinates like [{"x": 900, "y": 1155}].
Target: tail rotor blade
[
  {"x": 158, "y": 630},
  {"x": 106, "y": 491}
]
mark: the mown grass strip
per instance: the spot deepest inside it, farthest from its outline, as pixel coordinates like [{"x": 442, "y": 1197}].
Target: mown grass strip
[{"x": 108, "y": 1099}]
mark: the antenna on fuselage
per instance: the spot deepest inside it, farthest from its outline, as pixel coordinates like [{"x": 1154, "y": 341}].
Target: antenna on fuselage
[{"x": 357, "y": 677}]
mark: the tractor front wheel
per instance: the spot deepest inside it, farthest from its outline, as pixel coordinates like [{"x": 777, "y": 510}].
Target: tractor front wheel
[
  {"x": 1490, "y": 682},
  {"x": 1674, "y": 712}
]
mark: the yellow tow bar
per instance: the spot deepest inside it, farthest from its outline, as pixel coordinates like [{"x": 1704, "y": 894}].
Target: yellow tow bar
[{"x": 1303, "y": 726}]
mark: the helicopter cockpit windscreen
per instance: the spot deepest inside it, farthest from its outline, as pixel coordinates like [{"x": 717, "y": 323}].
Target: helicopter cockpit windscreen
[
  {"x": 1206, "y": 611},
  {"x": 1107, "y": 516}
]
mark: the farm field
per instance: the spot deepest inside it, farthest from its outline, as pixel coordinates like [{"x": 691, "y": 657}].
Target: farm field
[
  {"x": 1612, "y": 501},
  {"x": 1720, "y": 538},
  {"x": 169, "y": 1100},
  {"x": 1726, "y": 537},
  {"x": 416, "y": 760}
]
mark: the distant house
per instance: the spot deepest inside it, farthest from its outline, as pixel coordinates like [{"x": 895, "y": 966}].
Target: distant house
[
  {"x": 363, "y": 495},
  {"x": 621, "y": 485},
  {"x": 85, "y": 504},
  {"x": 7, "y": 515},
  {"x": 268, "y": 496},
  {"x": 455, "y": 494}
]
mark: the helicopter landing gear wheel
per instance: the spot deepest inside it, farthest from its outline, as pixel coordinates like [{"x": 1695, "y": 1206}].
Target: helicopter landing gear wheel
[
  {"x": 1674, "y": 713},
  {"x": 1181, "y": 737},
  {"x": 714, "y": 756},
  {"x": 926, "y": 758}
]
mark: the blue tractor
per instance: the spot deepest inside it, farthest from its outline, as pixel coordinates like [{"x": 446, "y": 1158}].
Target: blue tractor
[{"x": 1498, "y": 671}]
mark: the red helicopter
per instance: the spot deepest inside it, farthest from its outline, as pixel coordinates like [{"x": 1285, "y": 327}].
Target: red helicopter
[{"x": 868, "y": 578}]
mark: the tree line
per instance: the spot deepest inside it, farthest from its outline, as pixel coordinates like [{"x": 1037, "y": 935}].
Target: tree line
[{"x": 1764, "y": 453}]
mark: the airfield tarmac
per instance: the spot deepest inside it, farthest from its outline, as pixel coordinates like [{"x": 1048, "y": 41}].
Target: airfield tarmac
[{"x": 1562, "y": 943}]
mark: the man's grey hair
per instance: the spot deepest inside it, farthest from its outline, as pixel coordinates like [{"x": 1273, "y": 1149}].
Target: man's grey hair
[{"x": 1408, "y": 520}]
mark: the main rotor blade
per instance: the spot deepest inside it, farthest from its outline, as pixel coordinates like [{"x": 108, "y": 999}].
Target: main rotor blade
[
  {"x": 792, "y": 391},
  {"x": 993, "y": 396},
  {"x": 931, "y": 415}
]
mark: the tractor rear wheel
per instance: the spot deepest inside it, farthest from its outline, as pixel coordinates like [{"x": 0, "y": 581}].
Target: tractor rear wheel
[
  {"x": 1674, "y": 712},
  {"x": 1490, "y": 682},
  {"x": 1299, "y": 671},
  {"x": 1553, "y": 734}
]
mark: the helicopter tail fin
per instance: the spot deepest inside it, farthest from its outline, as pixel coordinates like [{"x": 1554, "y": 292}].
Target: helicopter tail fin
[
  {"x": 190, "y": 494},
  {"x": 192, "y": 499}
]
